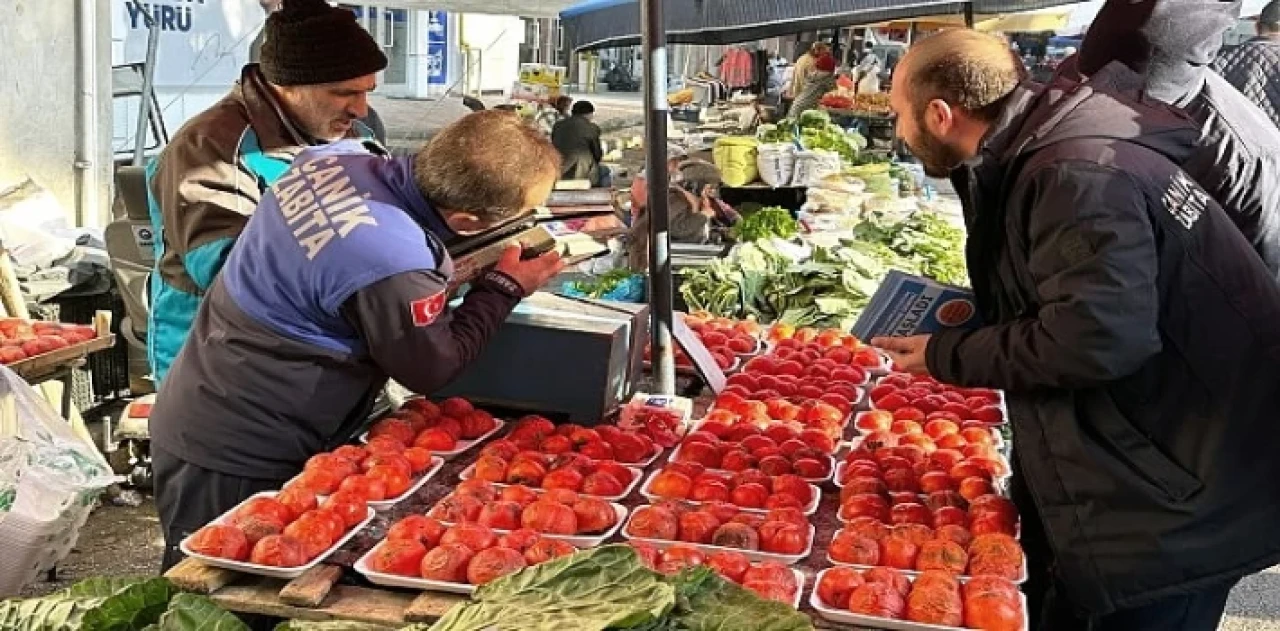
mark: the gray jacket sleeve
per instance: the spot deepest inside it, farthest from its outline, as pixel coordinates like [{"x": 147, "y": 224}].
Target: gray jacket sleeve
[
  {"x": 415, "y": 338},
  {"x": 1091, "y": 254}
]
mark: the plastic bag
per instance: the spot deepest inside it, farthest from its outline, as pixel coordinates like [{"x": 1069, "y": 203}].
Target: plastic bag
[
  {"x": 49, "y": 481},
  {"x": 776, "y": 163},
  {"x": 33, "y": 226},
  {"x": 735, "y": 156},
  {"x": 812, "y": 166}
]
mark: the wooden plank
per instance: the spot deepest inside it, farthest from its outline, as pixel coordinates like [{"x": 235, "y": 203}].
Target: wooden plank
[
  {"x": 310, "y": 589},
  {"x": 430, "y": 606},
  {"x": 262, "y": 596},
  {"x": 191, "y": 575}
]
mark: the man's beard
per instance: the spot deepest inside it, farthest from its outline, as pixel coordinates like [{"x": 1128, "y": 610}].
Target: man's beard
[{"x": 936, "y": 157}]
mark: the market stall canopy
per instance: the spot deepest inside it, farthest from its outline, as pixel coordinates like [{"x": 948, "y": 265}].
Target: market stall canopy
[
  {"x": 522, "y": 8},
  {"x": 604, "y": 23}
]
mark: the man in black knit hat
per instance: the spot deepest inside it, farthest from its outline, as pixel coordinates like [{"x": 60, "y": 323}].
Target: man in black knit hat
[{"x": 317, "y": 67}]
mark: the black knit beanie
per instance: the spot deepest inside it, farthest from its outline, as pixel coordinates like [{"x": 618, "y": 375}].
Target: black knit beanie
[{"x": 308, "y": 42}]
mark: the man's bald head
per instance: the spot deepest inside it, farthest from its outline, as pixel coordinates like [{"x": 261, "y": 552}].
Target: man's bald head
[
  {"x": 965, "y": 68},
  {"x": 947, "y": 91}
]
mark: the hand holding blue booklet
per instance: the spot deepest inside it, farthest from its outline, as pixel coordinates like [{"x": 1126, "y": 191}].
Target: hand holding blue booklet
[{"x": 914, "y": 305}]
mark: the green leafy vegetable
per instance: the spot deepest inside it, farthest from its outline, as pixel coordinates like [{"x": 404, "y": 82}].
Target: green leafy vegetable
[
  {"x": 601, "y": 285},
  {"x": 923, "y": 239},
  {"x": 603, "y": 588},
  {"x": 191, "y": 612},
  {"x": 707, "y": 602},
  {"x": 328, "y": 625},
  {"x": 765, "y": 223},
  {"x": 97, "y": 604}
]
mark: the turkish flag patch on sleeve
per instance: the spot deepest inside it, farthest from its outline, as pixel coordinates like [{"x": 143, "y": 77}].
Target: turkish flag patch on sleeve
[{"x": 426, "y": 310}]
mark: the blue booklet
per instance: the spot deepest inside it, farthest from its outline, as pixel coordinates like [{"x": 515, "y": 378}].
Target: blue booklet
[{"x": 914, "y": 305}]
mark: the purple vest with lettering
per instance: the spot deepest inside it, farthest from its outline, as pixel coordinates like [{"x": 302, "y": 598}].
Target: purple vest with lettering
[{"x": 340, "y": 219}]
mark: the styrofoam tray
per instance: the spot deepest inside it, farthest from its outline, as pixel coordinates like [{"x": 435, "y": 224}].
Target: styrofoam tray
[
  {"x": 809, "y": 510},
  {"x": 754, "y": 555},
  {"x": 844, "y": 424},
  {"x": 995, "y": 433},
  {"x": 636, "y": 475},
  {"x": 266, "y": 570},
  {"x": 462, "y": 446},
  {"x": 1022, "y": 577},
  {"x": 578, "y": 541},
  {"x": 395, "y": 580},
  {"x": 847, "y": 617},
  {"x": 831, "y": 462},
  {"x": 418, "y": 481},
  {"x": 999, "y": 480}
]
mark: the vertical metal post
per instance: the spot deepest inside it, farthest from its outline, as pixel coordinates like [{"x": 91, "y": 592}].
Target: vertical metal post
[
  {"x": 654, "y": 41},
  {"x": 148, "y": 81},
  {"x": 968, "y": 14}
]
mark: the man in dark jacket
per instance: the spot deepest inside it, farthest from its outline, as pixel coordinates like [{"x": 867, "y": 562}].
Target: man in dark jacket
[
  {"x": 1130, "y": 325},
  {"x": 577, "y": 138},
  {"x": 340, "y": 280},
  {"x": 1254, "y": 66},
  {"x": 1165, "y": 48}
]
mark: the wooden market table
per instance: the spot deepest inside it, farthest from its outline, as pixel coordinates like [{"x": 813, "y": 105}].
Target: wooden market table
[{"x": 60, "y": 365}]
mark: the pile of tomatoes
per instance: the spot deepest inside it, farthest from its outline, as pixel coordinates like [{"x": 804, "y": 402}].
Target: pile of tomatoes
[
  {"x": 558, "y": 512},
  {"x": 500, "y": 463},
  {"x": 778, "y": 450},
  {"x": 436, "y": 428},
  {"x": 20, "y": 339},
  {"x": 783, "y": 531},
  {"x": 767, "y": 579},
  {"x": 382, "y": 470},
  {"x": 984, "y": 602},
  {"x": 925, "y": 395},
  {"x": 603, "y": 442},
  {"x": 284, "y": 531},
  {"x": 750, "y": 488},
  {"x": 950, "y": 548},
  {"x": 930, "y": 432},
  {"x": 730, "y": 408},
  {"x": 423, "y": 547}
]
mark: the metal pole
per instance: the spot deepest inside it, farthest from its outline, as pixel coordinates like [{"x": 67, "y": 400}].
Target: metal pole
[
  {"x": 968, "y": 14},
  {"x": 148, "y": 79},
  {"x": 87, "y": 163},
  {"x": 654, "y": 38}
]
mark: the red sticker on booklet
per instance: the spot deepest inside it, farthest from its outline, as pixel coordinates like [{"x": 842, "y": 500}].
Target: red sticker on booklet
[{"x": 426, "y": 310}]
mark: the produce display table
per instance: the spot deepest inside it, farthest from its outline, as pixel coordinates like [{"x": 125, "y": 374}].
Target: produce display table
[
  {"x": 336, "y": 592},
  {"x": 60, "y": 365}
]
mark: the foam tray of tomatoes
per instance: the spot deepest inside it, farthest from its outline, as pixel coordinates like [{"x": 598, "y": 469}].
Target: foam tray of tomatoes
[
  {"x": 894, "y": 460},
  {"x": 579, "y": 520},
  {"x": 768, "y": 377},
  {"x": 383, "y": 473},
  {"x": 920, "y": 392},
  {"x": 915, "y": 548},
  {"x": 782, "y": 536},
  {"x": 602, "y": 442},
  {"x": 883, "y": 598},
  {"x": 725, "y": 360},
  {"x": 822, "y": 428},
  {"x": 447, "y": 429},
  {"x": 23, "y": 339},
  {"x": 605, "y": 479},
  {"x": 768, "y": 579},
  {"x": 422, "y": 553},
  {"x": 749, "y": 490},
  {"x": 278, "y": 535},
  {"x": 794, "y": 454},
  {"x": 935, "y": 426}
]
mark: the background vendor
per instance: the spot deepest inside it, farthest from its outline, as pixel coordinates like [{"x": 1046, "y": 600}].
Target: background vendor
[
  {"x": 340, "y": 281},
  {"x": 694, "y": 207}
]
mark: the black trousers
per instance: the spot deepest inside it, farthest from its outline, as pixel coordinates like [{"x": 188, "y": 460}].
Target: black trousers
[
  {"x": 1050, "y": 609},
  {"x": 188, "y": 497}
]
